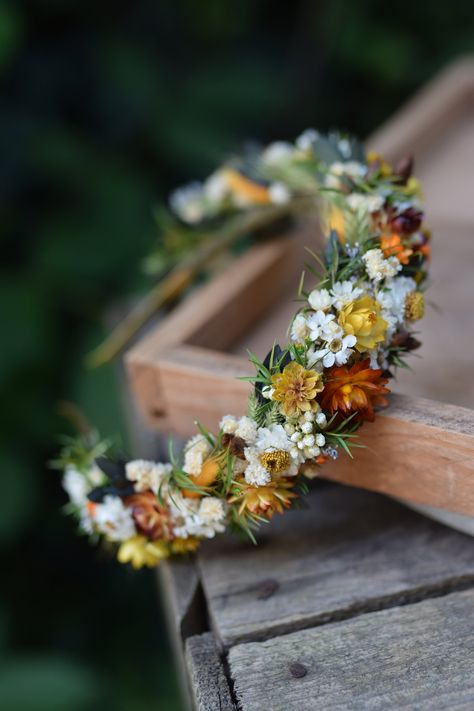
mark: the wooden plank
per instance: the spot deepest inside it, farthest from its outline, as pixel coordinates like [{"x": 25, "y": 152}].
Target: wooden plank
[
  {"x": 414, "y": 657},
  {"x": 418, "y": 450},
  {"x": 350, "y": 551},
  {"x": 218, "y": 312},
  {"x": 426, "y": 116},
  {"x": 208, "y": 681}
]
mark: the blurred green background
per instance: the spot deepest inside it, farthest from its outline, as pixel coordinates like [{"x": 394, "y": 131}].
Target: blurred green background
[{"x": 105, "y": 107}]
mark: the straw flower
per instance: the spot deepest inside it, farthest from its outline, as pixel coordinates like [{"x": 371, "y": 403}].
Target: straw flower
[
  {"x": 296, "y": 389},
  {"x": 355, "y": 389},
  {"x": 140, "y": 552},
  {"x": 362, "y": 319}
]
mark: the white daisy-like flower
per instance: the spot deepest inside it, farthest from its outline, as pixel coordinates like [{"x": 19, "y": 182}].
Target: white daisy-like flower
[
  {"x": 273, "y": 453},
  {"x": 279, "y": 194},
  {"x": 188, "y": 202},
  {"x": 299, "y": 329},
  {"x": 322, "y": 325},
  {"x": 307, "y": 139},
  {"x": 378, "y": 267},
  {"x": 277, "y": 152},
  {"x": 247, "y": 429},
  {"x": 228, "y": 424},
  {"x": 76, "y": 486},
  {"x": 320, "y": 299},
  {"x": 343, "y": 292},
  {"x": 196, "y": 451},
  {"x": 114, "y": 520},
  {"x": 147, "y": 475},
  {"x": 337, "y": 351},
  {"x": 255, "y": 472},
  {"x": 267, "y": 392}
]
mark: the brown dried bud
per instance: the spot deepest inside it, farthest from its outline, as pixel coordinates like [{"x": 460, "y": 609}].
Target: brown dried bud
[
  {"x": 407, "y": 222},
  {"x": 404, "y": 169},
  {"x": 405, "y": 340},
  {"x": 234, "y": 444},
  {"x": 151, "y": 519}
]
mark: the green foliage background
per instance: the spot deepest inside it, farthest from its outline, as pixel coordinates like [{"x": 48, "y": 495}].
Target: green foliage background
[{"x": 105, "y": 107}]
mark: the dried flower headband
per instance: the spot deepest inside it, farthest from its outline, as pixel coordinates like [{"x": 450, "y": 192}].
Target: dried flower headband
[{"x": 310, "y": 397}]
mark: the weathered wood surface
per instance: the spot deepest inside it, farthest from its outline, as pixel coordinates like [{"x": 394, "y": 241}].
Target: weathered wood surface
[
  {"x": 349, "y": 552},
  {"x": 414, "y": 657},
  {"x": 207, "y": 676},
  {"x": 417, "y": 450}
]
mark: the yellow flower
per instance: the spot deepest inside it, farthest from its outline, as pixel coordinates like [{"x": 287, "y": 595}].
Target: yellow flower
[
  {"x": 244, "y": 190},
  {"x": 139, "y": 551},
  {"x": 362, "y": 319},
  {"x": 296, "y": 389},
  {"x": 333, "y": 218},
  {"x": 264, "y": 500},
  {"x": 414, "y": 306},
  {"x": 185, "y": 545}
]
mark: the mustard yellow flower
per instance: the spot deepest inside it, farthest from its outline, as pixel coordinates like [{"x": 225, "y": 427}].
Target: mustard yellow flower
[
  {"x": 185, "y": 545},
  {"x": 139, "y": 551},
  {"x": 264, "y": 500},
  {"x": 361, "y": 318},
  {"x": 414, "y": 306},
  {"x": 296, "y": 389}
]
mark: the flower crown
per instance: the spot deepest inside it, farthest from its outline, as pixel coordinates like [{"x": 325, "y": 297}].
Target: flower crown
[{"x": 309, "y": 398}]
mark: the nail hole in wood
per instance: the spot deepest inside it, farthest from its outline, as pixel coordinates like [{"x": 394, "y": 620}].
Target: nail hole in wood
[{"x": 267, "y": 588}]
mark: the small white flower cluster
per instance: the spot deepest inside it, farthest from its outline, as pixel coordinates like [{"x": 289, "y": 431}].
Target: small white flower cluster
[
  {"x": 197, "y": 517},
  {"x": 365, "y": 203},
  {"x": 260, "y": 441},
  {"x": 380, "y": 267},
  {"x": 77, "y": 485},
  {"x": 113, "y": 519},
  {"x": 305, "y": 434},
  {"x": 331, "y": 345},
  {"x": 196, "y": 451},
  {"x": 147, "y": 475},
  {"x": 392, "y": 300},
  {"x": 338, "y": 172}
]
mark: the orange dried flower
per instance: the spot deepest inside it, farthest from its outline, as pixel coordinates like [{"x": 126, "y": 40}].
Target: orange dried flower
[
  {"x": 392, "y": 246},
  {"x": 151, "y": 518},
  {"x": 355, "y": 389}
]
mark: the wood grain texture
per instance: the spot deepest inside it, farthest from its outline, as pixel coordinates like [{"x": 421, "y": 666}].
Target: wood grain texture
[
  {"x": 414, "y": 657},
  {"x": 350, "y": 551},
  {"x": 208, "y": 682},
  {"x": 418, "y": 450},
  {"x": 219, "y": 313}
]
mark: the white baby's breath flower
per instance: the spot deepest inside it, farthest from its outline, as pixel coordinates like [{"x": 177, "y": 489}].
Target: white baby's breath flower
[
  {"x": 147, "y": 475},
  {"x": 247, "y": 430},
  {"x": 279, "y": 194},
  {"x": 378, "y": 267},
  {"x": 228, "y": 424},
  {"x": 76, "y": 486},
  {"x": 114, "y": 520},
  {"x": 343, "y": 292},
  {"x": 336, "y": 351},
  {"x": 299, "y": 329},
  {"x": 196, "y": 451},
  {"x": 320, "y": 299}
]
